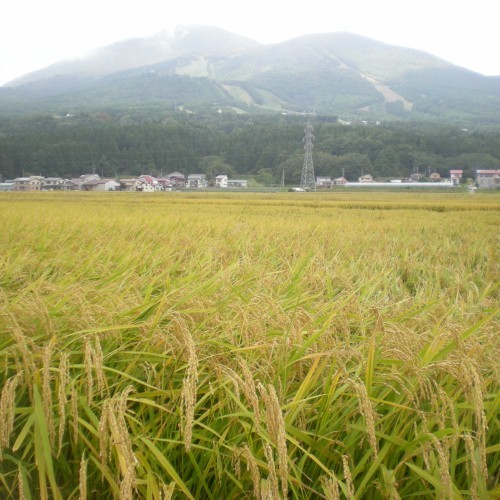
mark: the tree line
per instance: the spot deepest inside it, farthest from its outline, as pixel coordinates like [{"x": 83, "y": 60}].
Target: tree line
[{"x": 262, "y": 147}]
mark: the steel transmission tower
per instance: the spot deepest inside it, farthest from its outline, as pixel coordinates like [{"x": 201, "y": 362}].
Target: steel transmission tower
[{"x": 308, "y": 181}]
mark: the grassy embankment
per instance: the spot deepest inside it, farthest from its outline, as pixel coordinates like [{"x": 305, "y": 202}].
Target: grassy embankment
[{"x": 249, "y": 346}]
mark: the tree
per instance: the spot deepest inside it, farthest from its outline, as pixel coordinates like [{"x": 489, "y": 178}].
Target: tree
[
  {"x": 265, "y": 176},
  {"x": 352, "y": 165},
  {"x": 215, "y": 165},
  {"x": 292, "y": 167},
  {"x": 324, "y": 163},
  {"x": 387, "y": 163}
]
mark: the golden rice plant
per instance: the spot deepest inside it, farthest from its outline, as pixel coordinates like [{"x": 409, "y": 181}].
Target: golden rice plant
[{"x": 333, "y": 345}]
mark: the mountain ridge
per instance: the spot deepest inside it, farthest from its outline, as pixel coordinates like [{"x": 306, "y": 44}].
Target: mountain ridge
[
  {"x": 139, "y": 51},
  {"x": 209, "y": 68}
]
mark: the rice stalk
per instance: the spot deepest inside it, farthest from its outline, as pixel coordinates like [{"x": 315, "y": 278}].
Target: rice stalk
[
  {"x": 188, "y": 394},
  {"x": 64, "y": 378},
  {"x": 272, "y": 492},
  {"x": 7, "y": 409},
  {"x": 253, "y": 468},
  {"x": 347, "y": 477},
  {"x": 82, "y": 488},
  {"x": 331, "y": 487},
  {"x": 276, "y": 427}
]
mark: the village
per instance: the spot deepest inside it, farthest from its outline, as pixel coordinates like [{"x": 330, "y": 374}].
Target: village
[
  {"x": 485, "y": 179},
  {"x": 143, "y": 183}
]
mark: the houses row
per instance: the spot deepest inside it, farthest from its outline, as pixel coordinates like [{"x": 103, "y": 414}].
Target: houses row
[
  {"x": 327, "y": 182},
  {"x": 144, "y": 183},
  {"x": 40, "y": 183},
  {"x": 486, "y": 179}
]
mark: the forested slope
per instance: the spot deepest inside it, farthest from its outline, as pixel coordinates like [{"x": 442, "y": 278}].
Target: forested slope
[{"x": 259, "y": 146}]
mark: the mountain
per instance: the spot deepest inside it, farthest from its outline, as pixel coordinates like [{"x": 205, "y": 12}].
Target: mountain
[
  {"x": 208, "y": 69},
  {"x": 136, "y": 52}
]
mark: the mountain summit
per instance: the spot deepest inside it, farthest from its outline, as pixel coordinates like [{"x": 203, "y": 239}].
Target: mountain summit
[
  {"x": 136, "y": 52},
  {"x": 204, "y": 68}
]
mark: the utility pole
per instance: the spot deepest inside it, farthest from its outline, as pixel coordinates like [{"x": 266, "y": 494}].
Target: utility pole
[{"x": 308, "y": 181}]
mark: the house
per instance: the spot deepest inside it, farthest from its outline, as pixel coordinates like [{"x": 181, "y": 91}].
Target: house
[
  {"x": 366, "y": 178},
  {"x": 79, "y": 181},
  {"x": 435, "y": 177},
  {"x": 177, "y": 180},
  {"x": 148, "y": 184},
  {"x": 237, "y": 183},
  {"x": 196, "y": 181},
  {"x": 455, "y": 176},
  {"x": 69, "y": 185},
  {"x": 7, "y": 186},
  {"x": 146, "y": 187},
  {"x": 149, "y": 179},
  {"x": 221, "y": 181},
  {"x": 324, "y": 182},
  {"x": 101, "y": 185},
  {"x": 488, "y": 179},
  {"x": 52, "y": 184},
  {"x": 340, "y": 181},
  {"x": 164, "y": 184},
  {"x": 32, "y": 183},
  {"x": 130, "y": 184},
  {"x": 416, "y": 177}
]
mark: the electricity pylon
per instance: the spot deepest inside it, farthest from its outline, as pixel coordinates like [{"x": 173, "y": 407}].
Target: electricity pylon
[{"x": 308, "y": 181}]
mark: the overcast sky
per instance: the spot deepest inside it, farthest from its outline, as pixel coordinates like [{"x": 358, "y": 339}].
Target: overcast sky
[{"x": 36, "y": 33}]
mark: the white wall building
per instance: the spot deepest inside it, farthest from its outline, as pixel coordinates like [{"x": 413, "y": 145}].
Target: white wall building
[
  {"x": 323, "y": 182},
  {"x": 31, "y": 183},
  {"x": 366, "y": 178},
  {"x": 237, "y": 183},
  {"x": 52, "y": 183},
  {"x": 101, "y": 185},
  {"x": 488, "y": 179},
  {"x": 196, "y": 181},
  {"x": 455, "y": 176},
  {"x": 221, "y": 181}
]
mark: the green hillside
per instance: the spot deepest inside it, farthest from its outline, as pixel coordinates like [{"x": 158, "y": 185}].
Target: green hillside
[{"x": 336, "y": 74}]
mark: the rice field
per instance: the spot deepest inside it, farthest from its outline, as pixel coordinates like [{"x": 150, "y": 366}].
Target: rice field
[{"x": 340, "y": 345}]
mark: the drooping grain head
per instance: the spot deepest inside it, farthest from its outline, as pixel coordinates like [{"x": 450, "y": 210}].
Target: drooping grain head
[
  {"x": 472, "y": 468},
  {"x": 74, "y": 411},
  {"x": 20, "y": 483},
  {"x": 7, "y": 409},
  {"x": 88, "y": 363},
  {"x": 47, "y": 389},
  {"x": 167, "y": 491},
  {"x": 83, "y": 478},
  {"x": 249, "y": 389},
  {"x": 128, "y": 483},
  {"x": 98, "y": 359},
  {"x": 273, "y": 479},
  {"x": 348, "y": 477},
  {"x": 189, "y": 384},
  {"x": 330, "y": 487},
  {"x": 253, "y": 468},
  {"x": 366, "y": 409},
  {"x": 103, "y": 431},
  {"x": 62, "y": 398},
  {"x": 444, "y": 469},
  {"x": 276, "y": 428}
]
